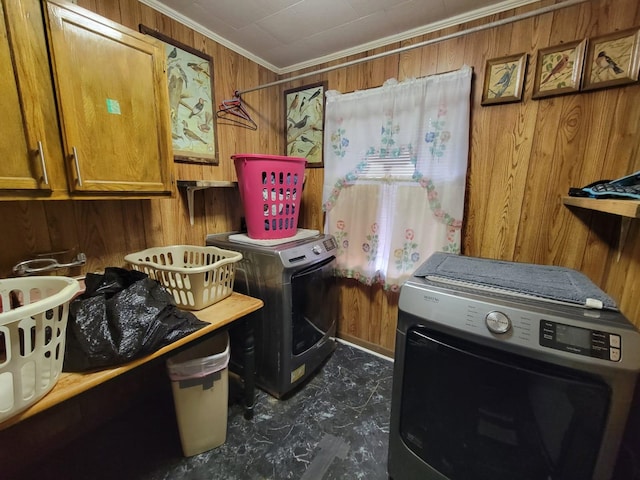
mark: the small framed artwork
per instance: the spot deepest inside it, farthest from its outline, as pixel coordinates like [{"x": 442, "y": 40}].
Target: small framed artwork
[
  {"x": 304, "y": 118},
  {"x": 504, "y": 79},
  {"x": 190, "y": 80},
  {"x": 559, "y": 69},
  {"x": 612, "y": 60}
]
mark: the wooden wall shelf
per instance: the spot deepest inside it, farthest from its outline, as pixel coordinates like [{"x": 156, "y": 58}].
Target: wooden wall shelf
[
  {"x": 624, "y": 208},
  {"x": 193, "y": 185}
]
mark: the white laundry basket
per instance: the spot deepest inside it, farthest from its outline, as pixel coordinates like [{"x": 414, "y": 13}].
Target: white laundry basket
[
  {"x": 200, "y": 385},
  {"x": 196, "y": 276},
  {"x": 33, "y": 322}
]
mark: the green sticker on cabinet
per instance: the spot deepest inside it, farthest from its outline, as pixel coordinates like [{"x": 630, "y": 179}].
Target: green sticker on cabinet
[{"x": 113, "y": 106}]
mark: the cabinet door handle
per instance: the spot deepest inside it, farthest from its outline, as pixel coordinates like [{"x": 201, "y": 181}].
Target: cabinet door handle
[
  {"x": 45, "y": 177},
  {"x": 75, "y": 159}
]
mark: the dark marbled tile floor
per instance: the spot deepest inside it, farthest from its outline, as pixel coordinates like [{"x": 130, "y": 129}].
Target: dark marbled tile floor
[{"x": 335, "y": 427}]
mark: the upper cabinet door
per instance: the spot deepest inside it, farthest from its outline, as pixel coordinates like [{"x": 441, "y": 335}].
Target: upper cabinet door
[
  {"x": 112, "y": 99},
  {"x": 18, "y": 169},
  {"x": 29, "y": 141}
]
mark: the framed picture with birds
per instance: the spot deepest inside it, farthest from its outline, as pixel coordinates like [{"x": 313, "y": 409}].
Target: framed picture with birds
[
  {"x": 190, "y": 80},
  {"x": 504, "y": 79},
  {"x": 304, "y": 120},
  {"x": 559, "y": 69},
  {"x": 612, "y": 60}
]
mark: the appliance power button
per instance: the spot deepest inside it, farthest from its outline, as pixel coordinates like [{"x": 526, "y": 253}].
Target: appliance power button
[{"x": 498, "y": 322}]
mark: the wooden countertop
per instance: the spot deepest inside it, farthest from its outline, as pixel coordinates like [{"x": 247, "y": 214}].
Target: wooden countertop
[{"x": 70, "y": 384}]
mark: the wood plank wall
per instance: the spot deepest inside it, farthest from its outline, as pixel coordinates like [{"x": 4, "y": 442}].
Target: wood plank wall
[{"x": 523, "y": 158}]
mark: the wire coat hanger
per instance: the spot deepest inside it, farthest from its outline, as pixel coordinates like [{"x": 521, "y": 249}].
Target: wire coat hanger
[{"x": 229, "y": 109}]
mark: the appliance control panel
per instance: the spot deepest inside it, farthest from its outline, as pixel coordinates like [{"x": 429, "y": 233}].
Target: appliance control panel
[
  {"x": 583, "y": 341},
  {"x": 309, "y": 251},
  {"x": 521, "y": 326}
]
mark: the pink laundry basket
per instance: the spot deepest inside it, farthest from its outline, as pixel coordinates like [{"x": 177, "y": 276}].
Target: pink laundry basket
[{"x": 270, "y": 189}]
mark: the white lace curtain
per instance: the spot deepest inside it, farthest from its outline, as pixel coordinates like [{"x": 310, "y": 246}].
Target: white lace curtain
[{"x": 395, "y": 169}]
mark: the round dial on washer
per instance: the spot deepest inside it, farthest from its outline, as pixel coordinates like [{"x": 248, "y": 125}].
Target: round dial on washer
[
  {"x": 317, "y": 249},
  {"x": 498, "y": 322}
]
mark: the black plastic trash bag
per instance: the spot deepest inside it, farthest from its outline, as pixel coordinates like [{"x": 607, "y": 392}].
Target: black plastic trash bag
[{"x": 122, "y": 315}]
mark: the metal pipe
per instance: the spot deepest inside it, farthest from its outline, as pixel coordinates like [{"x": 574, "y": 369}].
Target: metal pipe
[{"x": 497, "y": 23}]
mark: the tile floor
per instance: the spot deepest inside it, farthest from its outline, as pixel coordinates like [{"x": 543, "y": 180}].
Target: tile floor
[{"x": 335, "y": 427}]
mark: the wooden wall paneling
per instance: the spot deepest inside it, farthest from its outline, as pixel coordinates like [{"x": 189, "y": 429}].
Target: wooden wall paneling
[
  {"x": 600, "y": 260},
  {"x": 412, "y": 63},
  {"x": 371, "y": 324},
  {"x": 26, "y": 233},
  {"x": 152, "y": 228},
  {"x": 628, "y": 298},
  {"x": 130, "y": 14},
  {"x": 100, "y": 232},
  {"x": 485, "y": 122},
  {"x": 229, "y": 135},
  {"x": 311, "y": 214},
  {"x": 624, "y": 131},
  {"x": 620, "y": 132},
  {"x": 63, "y": 232},
  {"x": 451, "y": 53},
  {"x": 384, "y": 68},
  {"x": 148, "y": 16},
  {"x": 272, "y": 138},
  {"x": 383, "y": 319},
  {"x": 110, "y": 10},
  {"x": 565, "y": 237},
  {"x": 350, "y": 309},
  {"x": 513, "y": 153},
  {"x": 132, "y": 227},
  {"x": 389, "y": 320},
  {"x": 223, "y": 211},
  {"x": 515, "y": 181},
  {"x": 477, "y": 51},
  {"x": 531, "y": 237}
]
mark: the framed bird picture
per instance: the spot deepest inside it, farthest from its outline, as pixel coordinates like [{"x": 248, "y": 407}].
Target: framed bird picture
[
  {"x": 504, "y": 79},
  {"x": 190, "y": 80},
  {"x": 559, "y": 69},
  {"x": 612, "y": 60},
  {"x": 304, "y": 120}
]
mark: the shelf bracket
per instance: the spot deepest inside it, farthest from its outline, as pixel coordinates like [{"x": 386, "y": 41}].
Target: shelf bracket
[
  {"x": 625, "y": 226},
  {"x": 194, "y": 185}
]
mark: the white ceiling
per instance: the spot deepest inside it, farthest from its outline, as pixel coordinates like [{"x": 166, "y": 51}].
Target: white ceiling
[{"x": 287, "y": 35}]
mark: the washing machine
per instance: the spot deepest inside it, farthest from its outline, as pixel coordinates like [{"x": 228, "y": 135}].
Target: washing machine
[
  {"x": 295, "y": 330},
  {"x": 505, "y": 370}
]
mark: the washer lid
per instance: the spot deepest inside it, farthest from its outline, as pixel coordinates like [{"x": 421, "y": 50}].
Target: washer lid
[
  {"x": 542, "y": 282},
  {"x": 301, "y": 234}
]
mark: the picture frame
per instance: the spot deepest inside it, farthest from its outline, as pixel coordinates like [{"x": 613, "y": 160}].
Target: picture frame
[
  {"x": 612, "y": 60},
  {"x": 304, "y": 122},
  {"x": 191, "y": 101},
  {"x": 559, "y": 69},
  {"x": 504, "y": 79}
]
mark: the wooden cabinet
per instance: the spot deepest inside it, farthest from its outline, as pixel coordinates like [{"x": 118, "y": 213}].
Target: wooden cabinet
[
  {"x": 110, "y": 135},
  {"x": 29, "y": 137}
]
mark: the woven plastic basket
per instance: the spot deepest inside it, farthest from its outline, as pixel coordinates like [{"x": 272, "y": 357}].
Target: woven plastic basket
[
  {"x": 33, "y": 322},
  {"x": 197, "y": 277}
]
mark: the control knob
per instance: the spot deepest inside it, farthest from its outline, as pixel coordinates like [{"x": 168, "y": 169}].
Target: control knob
[
  {"x": 317, "y": 249},
  {"x": 498, "y": 322}
]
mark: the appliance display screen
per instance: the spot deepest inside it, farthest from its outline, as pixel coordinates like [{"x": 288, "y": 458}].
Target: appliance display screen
[{"x": 577, "y": 337}]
